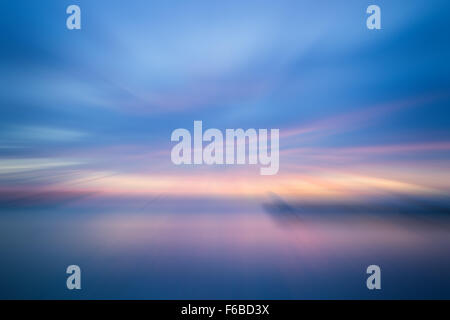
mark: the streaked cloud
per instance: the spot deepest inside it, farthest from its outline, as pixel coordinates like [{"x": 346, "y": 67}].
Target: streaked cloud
[
  {"x": 37, "y": 134},
  {"x": 14, "y": 165}
]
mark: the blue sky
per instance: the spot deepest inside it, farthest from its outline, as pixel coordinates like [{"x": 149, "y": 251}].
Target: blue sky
[{"x": 109, "y": 95}]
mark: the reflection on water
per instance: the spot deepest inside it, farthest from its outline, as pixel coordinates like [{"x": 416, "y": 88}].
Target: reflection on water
[{"x": 216, "y": 250}]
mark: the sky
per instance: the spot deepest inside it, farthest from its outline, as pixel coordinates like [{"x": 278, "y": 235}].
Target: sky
[
  {"x": 93, "y": 109},
  {"x": 85, "y": 142}
]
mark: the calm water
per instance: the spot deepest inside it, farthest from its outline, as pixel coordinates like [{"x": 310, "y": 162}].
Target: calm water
[{"x": 217, "y": 250}]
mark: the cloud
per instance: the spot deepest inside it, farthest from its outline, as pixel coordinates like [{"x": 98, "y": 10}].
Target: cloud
[
  {"x": 30, "y": 134},
  {"x": 20, "y": 165}
]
